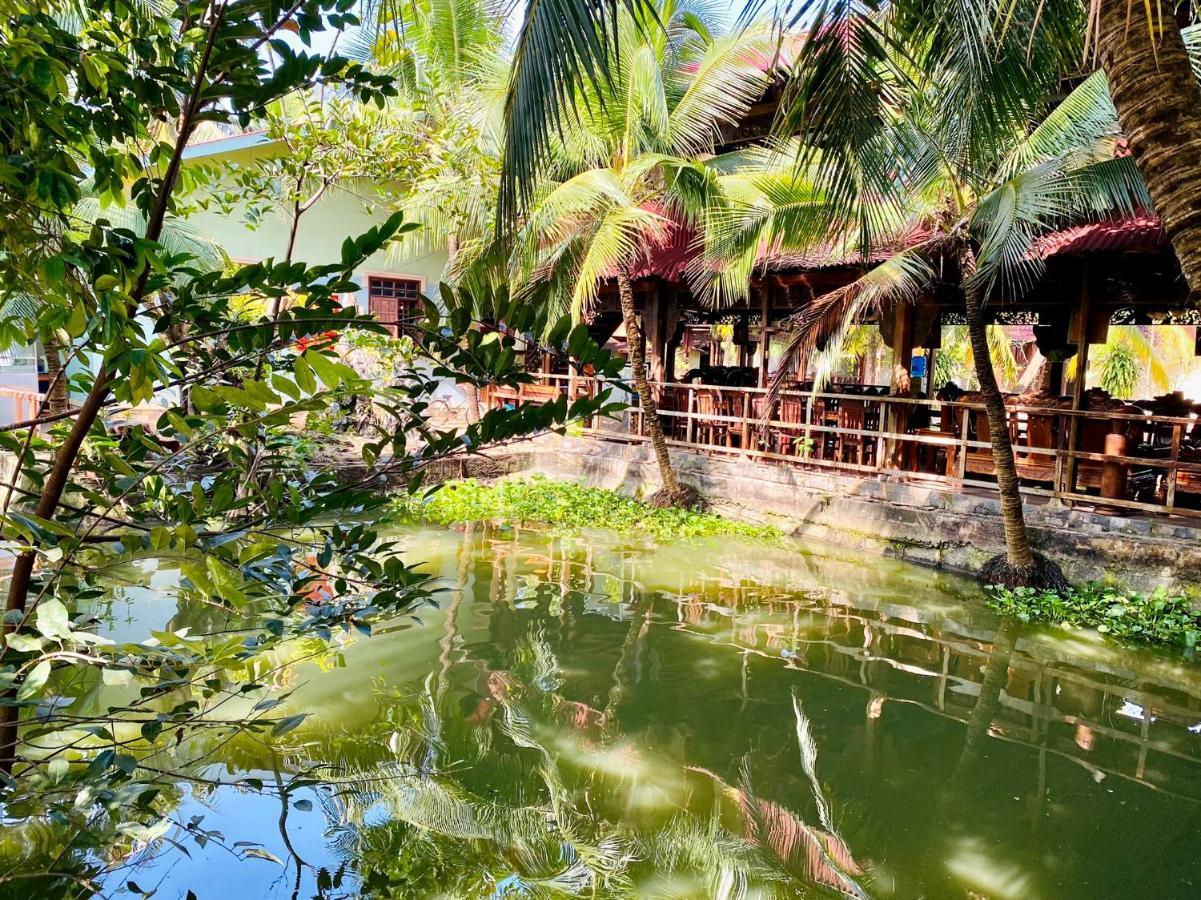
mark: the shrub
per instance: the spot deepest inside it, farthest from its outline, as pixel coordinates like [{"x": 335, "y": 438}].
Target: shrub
[{"x": 1158, "y": 618}]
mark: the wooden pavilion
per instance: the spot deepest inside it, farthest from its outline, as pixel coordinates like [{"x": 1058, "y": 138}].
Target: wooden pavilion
[{"x": 1076, "y": 445}]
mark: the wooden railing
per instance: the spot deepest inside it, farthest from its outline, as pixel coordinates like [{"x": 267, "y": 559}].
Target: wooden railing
[{"x": 1115, "y": 460}]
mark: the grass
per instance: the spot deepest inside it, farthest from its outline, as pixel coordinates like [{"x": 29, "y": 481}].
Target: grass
[
  {"x": 570, "y": 506},
  {"x": 1156, "y": 618}
]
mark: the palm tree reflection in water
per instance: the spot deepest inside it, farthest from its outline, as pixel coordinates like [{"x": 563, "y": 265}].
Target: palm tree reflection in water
[{"x": 610, "y": 718}]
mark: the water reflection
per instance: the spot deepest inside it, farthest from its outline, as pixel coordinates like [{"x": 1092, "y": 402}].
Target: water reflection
[{"x": 600, "y": 717}]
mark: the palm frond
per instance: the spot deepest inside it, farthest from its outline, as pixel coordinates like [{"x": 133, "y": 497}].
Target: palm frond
[
  {"x": 824, "y": 324},
  {"x": 994, "y": 65},
  {"x": 1083, "y": 119},
  {"x": 842, "y": 98},
  {"x": 1006, "y": 221},
  {"x": 619, "y": 238},
  {"x": 562, "y": 46},
  {"x": 720, "y": 87}
]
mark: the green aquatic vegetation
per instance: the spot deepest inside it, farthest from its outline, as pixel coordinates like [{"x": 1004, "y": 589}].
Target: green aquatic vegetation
[
  {"x": 1157, "y": 618},
  {"x": 567, "y": 505}
]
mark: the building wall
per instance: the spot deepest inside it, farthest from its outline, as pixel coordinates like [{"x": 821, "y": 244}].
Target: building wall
[{"x": 345, "y": 210}]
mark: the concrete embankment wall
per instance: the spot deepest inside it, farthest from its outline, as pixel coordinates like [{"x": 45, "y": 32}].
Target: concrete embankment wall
[{"x": 957, "y": 532}]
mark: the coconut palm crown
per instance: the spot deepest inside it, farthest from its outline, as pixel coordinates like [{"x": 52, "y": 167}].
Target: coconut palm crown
[
  {"x": 623, "y": 174},
  {"x": 946, "y": 190}
]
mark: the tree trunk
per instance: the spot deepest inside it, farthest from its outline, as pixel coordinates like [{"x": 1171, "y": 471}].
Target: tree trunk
[
  {"x": 1157, "y": 98},
  {"x": 58, "y": 399},
  {"x": 67, "y": 453},
  {"x": 1017, "y": 541},
  {"x": 650, "y": 412},
  {"x": 996, "y": 676},
  {"x": 470, "y": 391}
]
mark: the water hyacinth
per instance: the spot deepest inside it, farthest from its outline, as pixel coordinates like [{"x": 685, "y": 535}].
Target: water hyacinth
[
  {"x": 567, "y": 505},
  {"x": 1157, "y": 618}
]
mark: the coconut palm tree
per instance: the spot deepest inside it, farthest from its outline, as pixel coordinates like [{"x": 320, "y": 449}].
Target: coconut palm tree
[
  {"x": 450, "y": 62},
  {"x": 958, "y": 201},
  {"x": 1143, "y": 51},
  {"x": 1141, "y": 48},
  {"x": 1156, "y": 95},
  {"x": 623, "y": 174}
]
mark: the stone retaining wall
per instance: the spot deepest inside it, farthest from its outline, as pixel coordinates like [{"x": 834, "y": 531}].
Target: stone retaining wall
[{"x": 925, "y": 525}]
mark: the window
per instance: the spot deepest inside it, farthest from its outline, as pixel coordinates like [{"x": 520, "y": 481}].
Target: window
[{"x": 393, "y": 300}]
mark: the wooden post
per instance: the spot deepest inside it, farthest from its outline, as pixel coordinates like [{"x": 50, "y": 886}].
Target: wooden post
[
  {"x": 1113, "y": 473},
  {"x": 746, "y": 420},
  {"x": 1170, "y": 491},
  {"x": 961, "y": 462},
  {"x": 900, "y": 385},
  {"x": 691, "y": 411},
  {"x": 654, "y": 329},
  {"x": 764, "y": 332},
  {"x": 1078, "y": 385},
  {"x": 902, "y": 350}
]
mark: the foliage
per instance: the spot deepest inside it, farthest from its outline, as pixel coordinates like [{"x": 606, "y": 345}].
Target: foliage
[
  {"x": 1141, "y": 360},
  {"x": 629, "y": 172},
  {"x": 1156, "y": 618},
  {"x": 448, "y": 57},
  {"x": 283, "y": 555},
  {"x": 568, "y": 506},
  {"x": 322, "y": 143},
  {"x": 1119, "y": 370},
  {"x": 954, "y": 360}
]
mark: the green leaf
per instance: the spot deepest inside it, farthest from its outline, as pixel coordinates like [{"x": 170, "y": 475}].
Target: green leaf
[
  {"x": 305, "y": 379},
  {"x": 52, "y": 620},
  {"x": 326, "y": 370},
  {"x": 225, "y": 582},
  {"x": 25, "y": 643},
  {"x": 35, "y": 680},
  {"x": 283, "y": 726}
]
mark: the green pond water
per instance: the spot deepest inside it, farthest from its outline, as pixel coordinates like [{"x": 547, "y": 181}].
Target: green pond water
[{"x": 597, "y": 716}]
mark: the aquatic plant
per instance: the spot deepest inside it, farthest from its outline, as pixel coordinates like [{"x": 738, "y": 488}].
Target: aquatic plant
[
  {"x": 567, "y": 505},
  {"x": 1157, "y": 618}
]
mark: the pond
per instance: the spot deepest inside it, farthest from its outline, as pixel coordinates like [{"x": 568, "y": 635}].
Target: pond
[{"x": 599, "y": 716}]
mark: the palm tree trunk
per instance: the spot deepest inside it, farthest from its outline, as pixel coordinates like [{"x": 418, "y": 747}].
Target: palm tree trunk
[
  {"x": 996, "y": 675},
  {"x": 1018, "y": 553},
  {"x": 1157, "y": 98},
  {"x": 1019, "y": 566},
  {"x": 57, "y": 399},
  {"x": 650, "y": 412}
]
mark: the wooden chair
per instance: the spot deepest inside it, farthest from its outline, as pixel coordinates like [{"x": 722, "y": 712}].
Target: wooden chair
[
  {"x": 1040, "y": 435},
  {"x": 852, "y": 416},
  {"x": 674, "y": 399},
  {"x": 760, "y": 435},
  {"x": 708, "y": 430},
  {"x": 979, "y": 459},
  {"x": 791, "y": 411}
]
